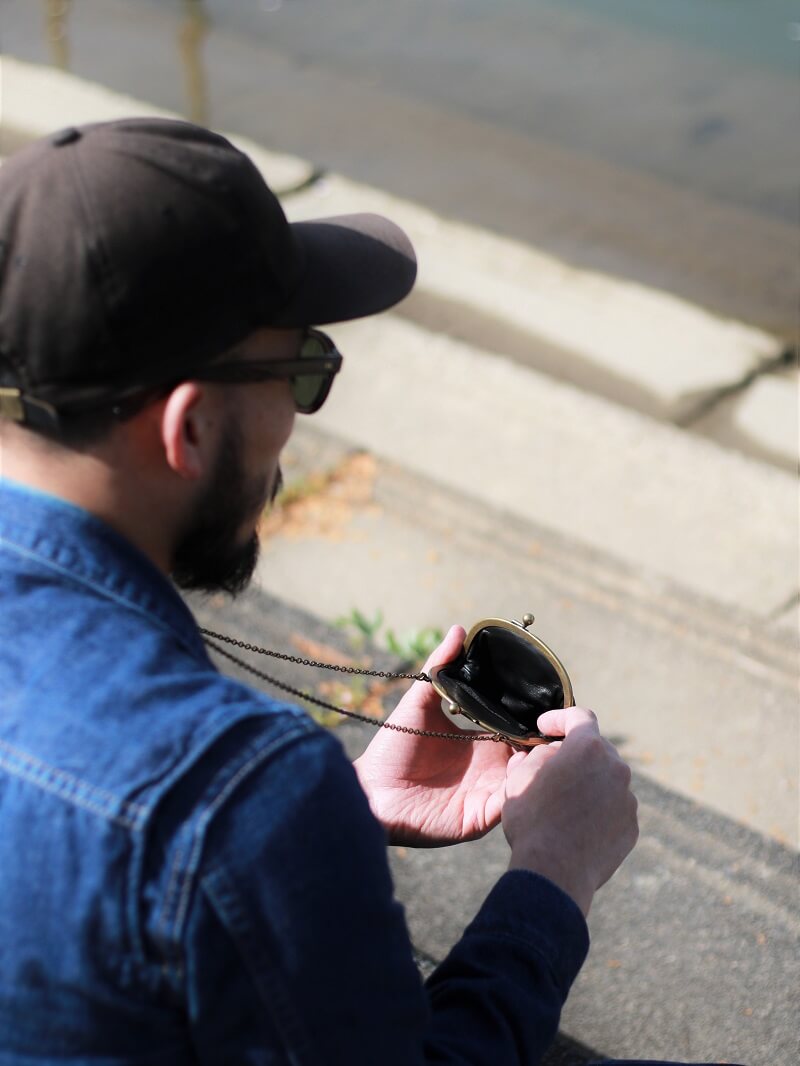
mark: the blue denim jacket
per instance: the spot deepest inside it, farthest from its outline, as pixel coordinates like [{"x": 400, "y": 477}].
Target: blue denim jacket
[{"x": 189, "y": 870}]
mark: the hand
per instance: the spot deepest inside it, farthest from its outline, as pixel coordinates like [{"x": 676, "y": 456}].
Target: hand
[
  {"x": 429, "y": 792},
  {"x": 569, "y": 812}
]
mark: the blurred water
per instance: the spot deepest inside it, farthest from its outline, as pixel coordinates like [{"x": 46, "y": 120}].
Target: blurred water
[
  {"x": 699, "y": 92},
  {"x": 756, "y": 32}
]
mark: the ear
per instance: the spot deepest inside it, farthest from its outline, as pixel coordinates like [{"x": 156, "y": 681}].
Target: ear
[{"x": 188, "y": 430}]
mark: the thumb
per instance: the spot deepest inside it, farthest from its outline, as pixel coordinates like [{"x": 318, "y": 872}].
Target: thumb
[
  {"x": 423, "y": 696},
  {"x": 448, "y": 650}
]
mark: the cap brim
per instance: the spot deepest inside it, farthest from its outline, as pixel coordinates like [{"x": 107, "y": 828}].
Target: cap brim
[{"x": 349, "y": 266}]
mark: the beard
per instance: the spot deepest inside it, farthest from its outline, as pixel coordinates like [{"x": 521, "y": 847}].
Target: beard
[{"x": 209, "y": 556}]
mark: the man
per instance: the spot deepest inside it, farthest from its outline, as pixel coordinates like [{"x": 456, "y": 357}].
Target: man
[{"x": 191, "y": 871}]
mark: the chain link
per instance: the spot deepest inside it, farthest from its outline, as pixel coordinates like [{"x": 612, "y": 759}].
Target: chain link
[
  {"x": 311, "y": 662},
  {"x": 497, "y": 738}
]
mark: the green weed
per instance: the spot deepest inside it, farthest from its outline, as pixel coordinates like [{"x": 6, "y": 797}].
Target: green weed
[{"x": 412, "y": 647}]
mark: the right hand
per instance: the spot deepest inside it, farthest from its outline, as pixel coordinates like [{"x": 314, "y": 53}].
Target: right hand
[{"x": 569, "y": 813}]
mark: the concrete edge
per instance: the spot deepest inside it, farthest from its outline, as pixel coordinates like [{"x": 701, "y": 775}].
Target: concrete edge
[{"x": 674, "y": 504}]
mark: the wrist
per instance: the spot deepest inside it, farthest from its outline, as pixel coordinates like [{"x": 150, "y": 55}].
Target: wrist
[
  {"x": 367, "y": 785},
  {"x": 394, "y": 836},
  {"x": 563, "y": 875}
]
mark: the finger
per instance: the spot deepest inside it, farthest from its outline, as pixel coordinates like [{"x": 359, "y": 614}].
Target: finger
[
  {"x": 536, "y": 755},
  {"x": 562, "y": 721},
  {"x": 422, "y": 695},
  {"x": 519, "y": 774},
  {"x": 448, "y": 649},
  {"x": 516, "y": 759},
  {"x": 539, "y": 755}
]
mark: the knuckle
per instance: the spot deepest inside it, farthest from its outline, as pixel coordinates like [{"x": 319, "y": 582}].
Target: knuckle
[
  {"x": 587, "y": 714},
  {"x": 624, "y": 773},
  {"x": 581, "y": 716},
  {"x": 596, "y": 747},
  {"x": 634, "y": 819}
]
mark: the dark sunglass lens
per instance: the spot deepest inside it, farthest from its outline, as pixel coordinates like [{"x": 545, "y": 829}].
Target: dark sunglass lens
[
  {"x": 306, "y": 389},
  {"x": 313, "y": 346},
  {"x": 310, "y": 390}
]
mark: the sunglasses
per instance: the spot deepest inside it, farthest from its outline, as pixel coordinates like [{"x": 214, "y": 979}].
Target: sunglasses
[
  {"x": 310, "y": 373},
  {"x": 503, "y": 679}
]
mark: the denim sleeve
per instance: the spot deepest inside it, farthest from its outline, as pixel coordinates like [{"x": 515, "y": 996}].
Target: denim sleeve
[
  {"x": 498, "y": 995},
  {"x": 297, "y": 951}
]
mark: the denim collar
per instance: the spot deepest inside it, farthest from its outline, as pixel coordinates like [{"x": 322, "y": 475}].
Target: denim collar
[{"x": 81, "y": 548}]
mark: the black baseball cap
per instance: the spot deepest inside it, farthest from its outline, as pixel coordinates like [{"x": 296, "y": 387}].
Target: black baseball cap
[{"x": 136, "y": 250}]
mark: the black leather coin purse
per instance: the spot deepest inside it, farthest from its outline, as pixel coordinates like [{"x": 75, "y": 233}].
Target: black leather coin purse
[{"x": 503, "y": 679}]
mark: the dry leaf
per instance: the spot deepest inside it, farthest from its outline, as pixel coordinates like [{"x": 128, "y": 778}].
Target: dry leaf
[{"x": 323, "y": 653}]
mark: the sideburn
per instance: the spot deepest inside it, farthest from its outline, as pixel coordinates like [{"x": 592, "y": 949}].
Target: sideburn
[{"x": 209, "y": 556}]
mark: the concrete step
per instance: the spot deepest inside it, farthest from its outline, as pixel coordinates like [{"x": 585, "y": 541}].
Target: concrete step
[
  {"x": 675, "y": 504},
  {"x": 700, "y": 695},
  {"x": 760, "y": 420},
  {"x": 636, "y": 345},
  {"x": 639, "y": 347}
]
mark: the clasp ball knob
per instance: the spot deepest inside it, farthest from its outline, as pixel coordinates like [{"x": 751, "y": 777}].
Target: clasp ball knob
[
  {"x": 453, "y": 708},
  {"x": 528, "y": 620}
]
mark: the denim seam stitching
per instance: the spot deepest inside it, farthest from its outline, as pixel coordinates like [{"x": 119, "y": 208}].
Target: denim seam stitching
[
  {"x": 198, "y": 833},
  {"x": 27, "y": 767},
  {"x": 227, "y": 905},
  {"x": 100, "y": 589},
  {"x": 174, "y": 878},
  {"x": 212, "y": 809}
]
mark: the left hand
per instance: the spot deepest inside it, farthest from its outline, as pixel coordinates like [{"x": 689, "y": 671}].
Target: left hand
[{"x": 429, "y": 792}]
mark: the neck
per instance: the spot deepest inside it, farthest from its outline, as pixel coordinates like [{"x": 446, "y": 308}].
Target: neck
[{"x": 93, "y": 480}]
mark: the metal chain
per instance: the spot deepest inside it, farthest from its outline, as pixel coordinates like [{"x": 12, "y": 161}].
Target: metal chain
[
  {"x": 472, "y": 738},
  {"x": 311, "y": 662}
]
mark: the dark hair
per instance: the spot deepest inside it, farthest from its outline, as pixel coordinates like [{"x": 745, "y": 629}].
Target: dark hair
[{"x": 79, "y": 431}]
